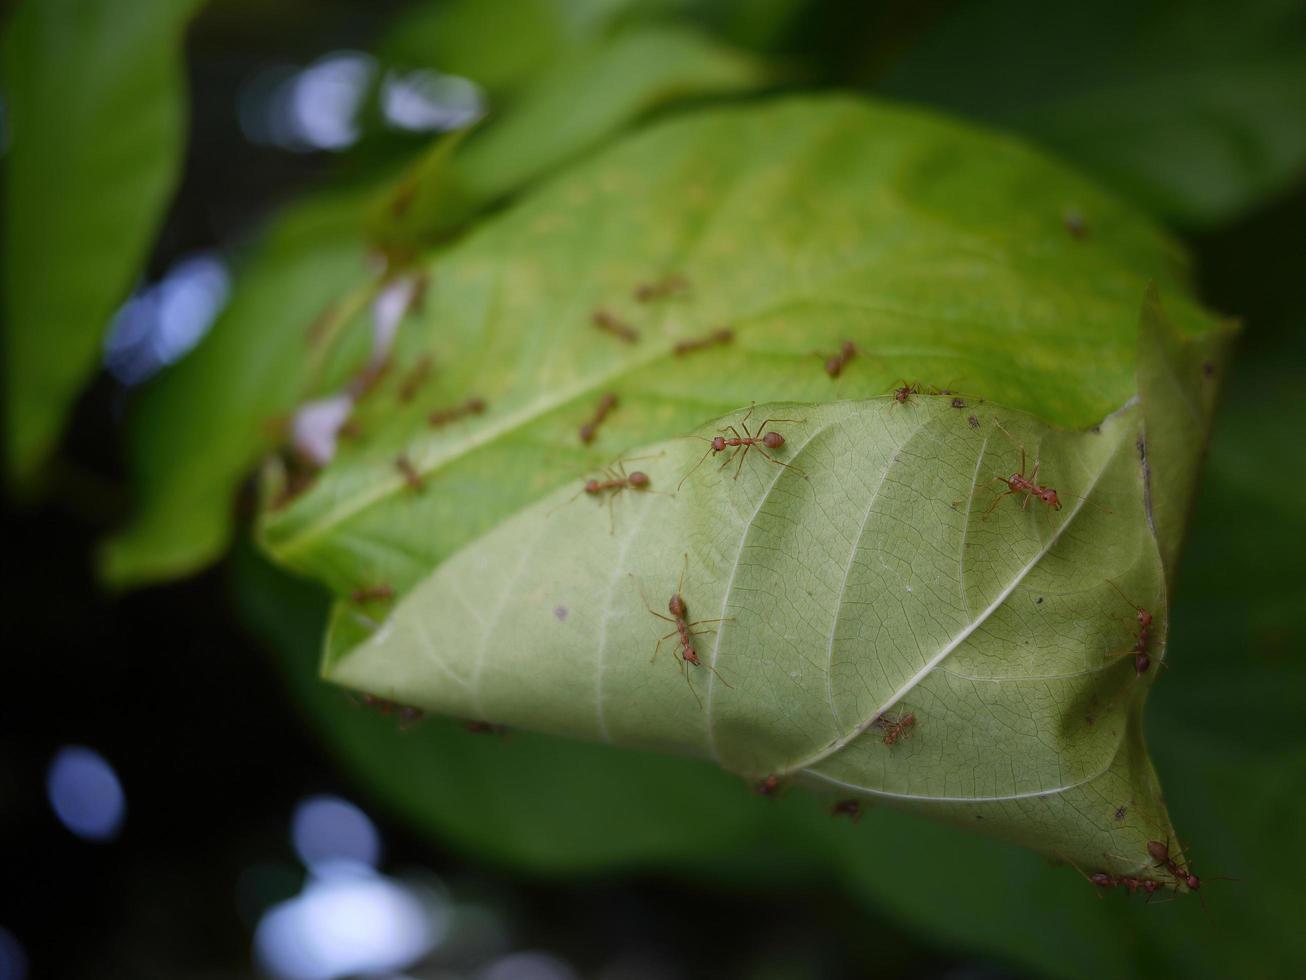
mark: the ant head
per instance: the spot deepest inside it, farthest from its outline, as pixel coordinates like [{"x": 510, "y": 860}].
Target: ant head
[
  {"x": 591, "y": 486},
  {"x": 638, "y": 479},
  {"x": 587, "y": 433},
  {"x": 773, "y": 440},
  {"x": 833, "y": 366},
  {"x": 847, "y": 348},
  {"x": 1141, "y": 662},
  {"x": 1160, "y": 852},
  {"x": 718, "y": 444},
  {"x": 1144, "y": 618},
  {"x": 476, "y": 405},
  {"x": 1051, "y": 498},
  {"x": 677, "y": 607},
  {"x": 1101, "y": 879},
  {"x": 1151, "y": 887},
  {"x": 768, "y": 786}
]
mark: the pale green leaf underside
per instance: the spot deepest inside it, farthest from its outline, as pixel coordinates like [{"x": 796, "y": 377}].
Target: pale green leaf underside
[
  {"x": 875, "y": 580},
  {"x": 939, "y": 250}
]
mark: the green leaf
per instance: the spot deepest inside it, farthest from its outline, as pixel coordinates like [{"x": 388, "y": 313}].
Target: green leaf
[
  {"x": 871, "y": 576},
  {"x": 500, "y": 44},
  {"x": 573, "y": 106},
  {"x": 1192, "y": 109},
  {"x": 526, "y": 799},
  {"x": 257, "y": 365},
  {"x": 939, "y": 251},
  {"x": 94, "y": 98},
  {"x": 201, "y": 426}
]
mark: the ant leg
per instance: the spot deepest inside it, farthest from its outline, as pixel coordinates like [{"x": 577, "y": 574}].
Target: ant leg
[
  {"x": 997, "y": 500},
  {"x": 788, "y": 466},
  {"x": 690, "y": 682},
  {"x": 769, "y": 421},
  {"x": 680, "y": 586},
  {"x": 645, "y": 598},
  {"x": 658, "y": 649},
  {"x": 612, "y": 521},
  {"x": 730, "y": 458},
  {"x": 747, "y": 415},
  {"x": 740, "y": 468},
  {"x": 719, "y": 677},
  {"x": 700, "y": 622}
]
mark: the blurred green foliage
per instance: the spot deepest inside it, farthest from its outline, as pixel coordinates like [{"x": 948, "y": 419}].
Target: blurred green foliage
[
  {"x": 96, "y": 116},
  {"x": 1192, "y": 110}
]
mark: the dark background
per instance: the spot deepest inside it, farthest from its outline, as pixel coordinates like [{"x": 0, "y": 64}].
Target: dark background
[{"x": 170, "y": 687}]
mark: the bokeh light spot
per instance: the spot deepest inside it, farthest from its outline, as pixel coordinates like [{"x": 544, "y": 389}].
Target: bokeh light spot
[
  {"x": 85, "y": 793},
  {"x": 13, "y": 959},
  {"x": 346, "y": 924},
  {"x": 164, "y": 321},
  {"x": 326, "y": 829}
]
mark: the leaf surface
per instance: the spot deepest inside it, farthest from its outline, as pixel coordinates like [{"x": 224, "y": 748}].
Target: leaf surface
[
  {"x": 93, "y": 94},
  {"x": 309, "y": 275},
  {"x": 872, "y": 576},
  {"x": 575, "y": 103},
  {"x": 939, "y": 251}
]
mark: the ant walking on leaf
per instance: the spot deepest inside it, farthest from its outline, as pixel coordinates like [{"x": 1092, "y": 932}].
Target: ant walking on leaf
[
  {"x": 1018, "y": 484},
  {"x": 615, "y": 480},
  {"x": 741, "y": 444},
  {"x": 684, "y": 631},
  {"x": 1142, "y": 643}
]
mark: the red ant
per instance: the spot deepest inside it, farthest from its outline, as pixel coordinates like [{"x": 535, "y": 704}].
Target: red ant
[
  {"x": 834, "y": 365},
  {"x": 1131, "y": 884},
  {"x": 647, "y": 292},
  {"x": 415, "y": 378},
  {"x": 617, "y": 480},
  {"x": 411, "y": 477},
  {"x": 897, "y": 728},
  {"x": 902, "y": 394},
  {"x": 1142, "y": 659},
  {"x": 770, "y": 786},
  {"x": 371, "y": 593},
  {"x": 484, "y": 728},
  {"x": 408, "y": 715},
  {"x": 609, "y": 323},
  {"x": 742, "y": 444},
  {"x": 473, "y": 406},
  {"x": 850, "y": 808},
  {"x": 1019, "y": 484},
  {"x": 684, "y": 631},
  {"x": 1161, "y": 854},
  {"x": 606, "y": 404},
  {"x": 365, "y": 381},
  {"x": 716, "y": 338}
]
